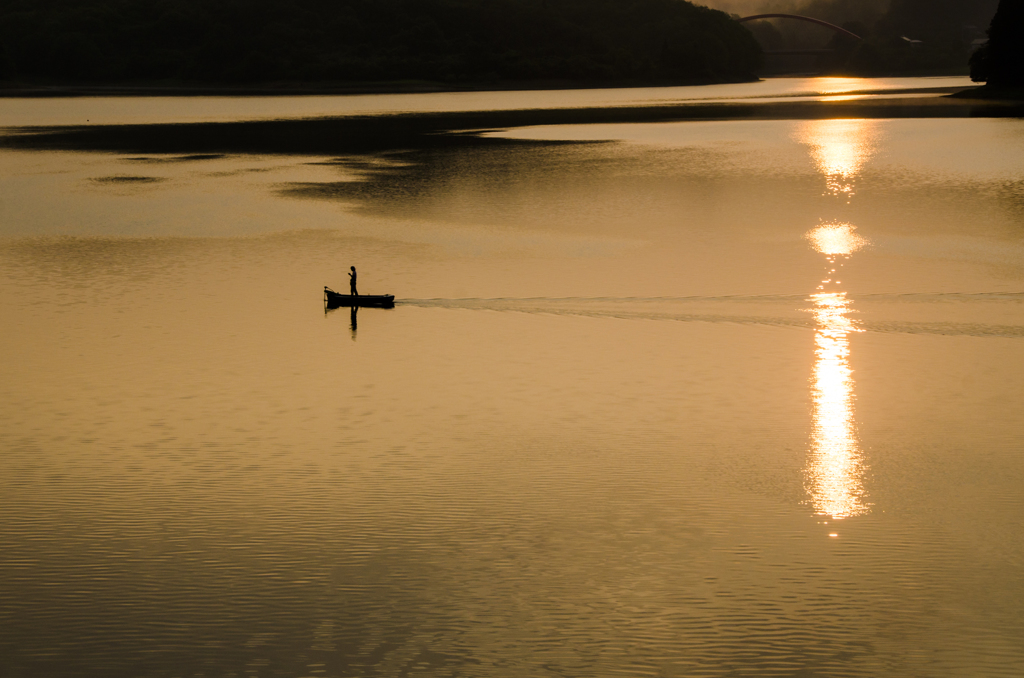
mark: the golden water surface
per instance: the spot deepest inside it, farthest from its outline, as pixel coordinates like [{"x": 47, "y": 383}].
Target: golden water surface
[{"x": 707, "y": 398}]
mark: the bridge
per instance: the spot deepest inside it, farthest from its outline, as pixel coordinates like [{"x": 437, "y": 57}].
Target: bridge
[{"x": 837, "y": 29}]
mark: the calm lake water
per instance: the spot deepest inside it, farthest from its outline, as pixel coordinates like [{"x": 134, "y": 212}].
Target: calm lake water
[{"x": 707, "y": 398}]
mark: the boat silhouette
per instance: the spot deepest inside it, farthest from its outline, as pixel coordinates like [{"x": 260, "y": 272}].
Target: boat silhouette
[{"x": 334, "y": 299}]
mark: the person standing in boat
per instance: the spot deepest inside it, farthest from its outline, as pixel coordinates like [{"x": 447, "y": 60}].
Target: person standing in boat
[{"x": 352, "y": 282}]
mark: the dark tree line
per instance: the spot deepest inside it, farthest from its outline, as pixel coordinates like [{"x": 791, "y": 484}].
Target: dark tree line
[
  {"x": 1000, "y": 63},
  {"x": 251, "y": 41}
]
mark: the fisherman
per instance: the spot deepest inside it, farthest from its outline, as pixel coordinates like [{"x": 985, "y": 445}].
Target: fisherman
[{"x": 352, "y": 282}]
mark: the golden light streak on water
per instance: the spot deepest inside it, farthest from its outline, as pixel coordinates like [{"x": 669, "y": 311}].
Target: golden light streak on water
[
  {"x": 835, "y": 472},
  {"x": 839, "y": 149},
  {"x": 833, "y": 85},
  {"x": 835, "y": 238},
  {"x": 835, "y": 469}
]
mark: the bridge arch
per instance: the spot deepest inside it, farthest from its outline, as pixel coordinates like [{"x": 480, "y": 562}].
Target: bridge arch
[{"x": 826, "y": 24}]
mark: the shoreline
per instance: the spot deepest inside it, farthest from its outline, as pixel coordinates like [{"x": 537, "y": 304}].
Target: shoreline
[
  {"x": 36, "y": 90},
  {"x": 405, "y": 131},
  {"x": 13, "y": 90}
]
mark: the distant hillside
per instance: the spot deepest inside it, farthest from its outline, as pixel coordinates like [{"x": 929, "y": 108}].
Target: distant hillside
[
  {"x": 452, "y": 41},
  {"x": 921, "y": 36},
  {"x": 900, "y": 37}
]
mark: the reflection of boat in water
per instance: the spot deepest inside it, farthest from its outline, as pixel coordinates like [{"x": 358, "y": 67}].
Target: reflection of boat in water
[{"x": 333, "y": 299}]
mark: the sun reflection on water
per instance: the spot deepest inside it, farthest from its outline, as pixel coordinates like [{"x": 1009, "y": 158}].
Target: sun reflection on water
[
  {"x": 839, "y": 149},
  {"x": 834, "y": 238},
  {"x": 835, "y": 470},
  {"x": 836, "y": 467}
]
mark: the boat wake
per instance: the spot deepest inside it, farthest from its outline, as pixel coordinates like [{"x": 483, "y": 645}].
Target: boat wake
[{"x": 949, "y": 314}]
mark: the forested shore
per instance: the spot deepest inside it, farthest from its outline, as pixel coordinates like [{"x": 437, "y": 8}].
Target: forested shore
[{"x": 447, "y": 42}]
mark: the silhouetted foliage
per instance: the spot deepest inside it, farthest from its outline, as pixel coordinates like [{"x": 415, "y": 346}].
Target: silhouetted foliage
[
  {"x": 1000, "y": 62},
  {"x": 245, "y": 41}
]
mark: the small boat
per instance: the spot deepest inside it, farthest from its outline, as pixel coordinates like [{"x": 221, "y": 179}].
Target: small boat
[{"x": 333, "y": 299}]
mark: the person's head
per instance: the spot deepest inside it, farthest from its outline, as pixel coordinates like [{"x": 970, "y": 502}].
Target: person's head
[{"x": 352, "y": 267}]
